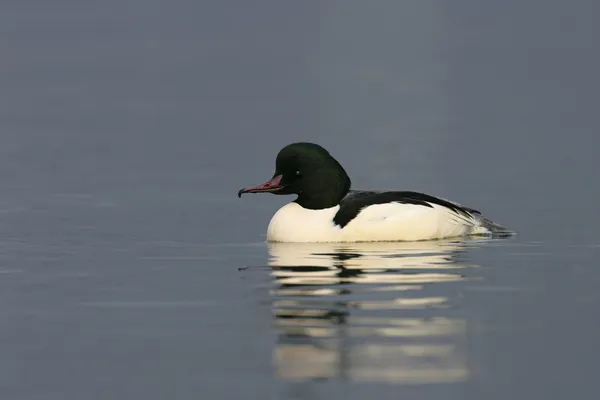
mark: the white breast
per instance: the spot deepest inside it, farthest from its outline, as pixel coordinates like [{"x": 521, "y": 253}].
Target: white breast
[
  {"x": 294, "y": 223},
  {"x": 380, "y": 222}
]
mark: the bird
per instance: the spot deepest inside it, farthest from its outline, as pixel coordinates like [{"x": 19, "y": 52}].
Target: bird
[{"x": 327, "y": 210}]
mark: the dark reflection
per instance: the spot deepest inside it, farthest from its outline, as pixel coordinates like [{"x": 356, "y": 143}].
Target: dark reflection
[{"x": 369, "y": 312}]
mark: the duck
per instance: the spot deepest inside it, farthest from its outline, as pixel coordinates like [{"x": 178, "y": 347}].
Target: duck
[{"x": 327, "y": 210}]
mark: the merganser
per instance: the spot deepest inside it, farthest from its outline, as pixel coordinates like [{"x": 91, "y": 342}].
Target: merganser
[{"x": 326, "y": 210}]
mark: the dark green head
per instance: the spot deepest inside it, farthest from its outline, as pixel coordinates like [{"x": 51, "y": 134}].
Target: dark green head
[{"x": 308, "y": 170}]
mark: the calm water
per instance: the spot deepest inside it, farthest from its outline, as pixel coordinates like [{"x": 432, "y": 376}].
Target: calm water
[{"x": 129, "y": 269}]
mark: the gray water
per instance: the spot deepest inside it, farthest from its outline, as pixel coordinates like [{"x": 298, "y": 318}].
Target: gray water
[{"x": 129, "y": 269}]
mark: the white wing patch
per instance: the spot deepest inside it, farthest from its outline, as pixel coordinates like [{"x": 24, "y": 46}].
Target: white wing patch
[{"x": 399, "y": 221}]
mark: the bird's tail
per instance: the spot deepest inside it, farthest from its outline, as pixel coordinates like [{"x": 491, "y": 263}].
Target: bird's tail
[{"x": 495, "y": 229}]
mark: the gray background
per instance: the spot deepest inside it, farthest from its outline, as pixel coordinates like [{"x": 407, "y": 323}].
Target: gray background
[{"x": 126, "y": 128}]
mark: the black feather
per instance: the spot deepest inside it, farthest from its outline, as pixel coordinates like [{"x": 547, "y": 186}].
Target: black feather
[{"x": 355, "y": 201}]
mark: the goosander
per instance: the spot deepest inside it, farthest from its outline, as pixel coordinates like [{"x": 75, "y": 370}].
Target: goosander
[{"x": 326, "y": 210}]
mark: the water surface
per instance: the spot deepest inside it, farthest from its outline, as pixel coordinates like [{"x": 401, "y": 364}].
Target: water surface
[{"x": 129, "y": 269}]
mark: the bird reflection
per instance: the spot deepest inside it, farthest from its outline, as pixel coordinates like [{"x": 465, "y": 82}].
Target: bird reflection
[{"x": 368, "y": 311}]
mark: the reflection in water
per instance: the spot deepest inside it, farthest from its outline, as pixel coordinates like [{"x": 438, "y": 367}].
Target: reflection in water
[{"x": 368, "y": 311}]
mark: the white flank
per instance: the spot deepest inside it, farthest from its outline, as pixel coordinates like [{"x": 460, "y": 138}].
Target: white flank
[{"x": 380, "y": 222}]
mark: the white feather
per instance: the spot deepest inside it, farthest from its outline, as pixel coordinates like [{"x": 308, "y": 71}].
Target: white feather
[
  {"x": 380, "y": 222},
  {"x": 293, "y": 223}
]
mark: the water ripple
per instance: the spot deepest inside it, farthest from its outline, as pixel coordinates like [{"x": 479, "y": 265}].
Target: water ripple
[{"x": 373, "y": 312}]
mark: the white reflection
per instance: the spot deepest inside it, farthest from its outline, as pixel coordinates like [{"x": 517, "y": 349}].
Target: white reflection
[{"x": 368, "y": 311}]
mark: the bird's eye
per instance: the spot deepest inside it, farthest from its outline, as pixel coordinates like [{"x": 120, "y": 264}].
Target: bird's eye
[{"x": 298, "y": 173}]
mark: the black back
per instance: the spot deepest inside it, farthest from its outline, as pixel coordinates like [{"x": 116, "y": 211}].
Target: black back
[{"x": 356, "y": 200}]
